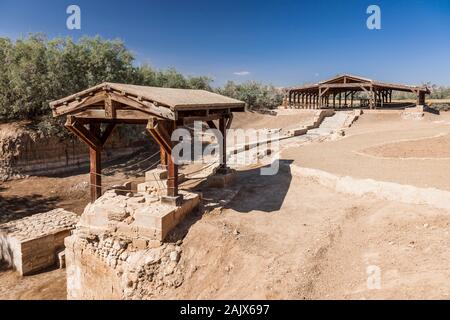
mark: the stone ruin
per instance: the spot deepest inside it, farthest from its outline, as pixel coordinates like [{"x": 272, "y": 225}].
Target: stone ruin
[
  {"x": 36, "y": 242},
  {"x": 117, "y": 249}
]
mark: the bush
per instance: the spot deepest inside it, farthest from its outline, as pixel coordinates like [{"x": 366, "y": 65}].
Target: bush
[
  {"x": 254, "y": 94},
  {"x": 35, "y": 71}
]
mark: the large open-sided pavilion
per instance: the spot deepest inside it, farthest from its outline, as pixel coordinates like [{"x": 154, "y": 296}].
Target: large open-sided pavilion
[
  {"x": 339, "y": 92},
  {"x": 161, "y": 109}
]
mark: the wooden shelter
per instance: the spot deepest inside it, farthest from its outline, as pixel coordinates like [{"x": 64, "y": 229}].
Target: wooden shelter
[
  {"x": 161, "y": 109},
  {"x": 340, "y": 92}
]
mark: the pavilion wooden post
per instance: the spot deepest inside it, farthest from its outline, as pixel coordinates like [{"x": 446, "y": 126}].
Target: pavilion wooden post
[
  {"x": 172, "y": 177},
  {"x": 95, "y": 140},
  {"x": 95, "y": 164},
  {"x": 421, "y": 98},
  {"x": 161, "y": 131},
  {"x": 371, "y": 98},
  {"x": 223, "y": 149},
  {"x": 163, "y": 156}
]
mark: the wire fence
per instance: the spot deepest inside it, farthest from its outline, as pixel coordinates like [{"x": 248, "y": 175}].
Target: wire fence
[{"x": 160, "y": 184}]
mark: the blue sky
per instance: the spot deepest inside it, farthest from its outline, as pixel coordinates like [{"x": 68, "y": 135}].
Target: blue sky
[{"x": 280, "y": 42}]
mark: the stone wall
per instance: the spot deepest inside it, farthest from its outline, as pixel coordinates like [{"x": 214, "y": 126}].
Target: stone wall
[
  {"x": 109, "y": 267},
  {"x": 23, "y": 151}
]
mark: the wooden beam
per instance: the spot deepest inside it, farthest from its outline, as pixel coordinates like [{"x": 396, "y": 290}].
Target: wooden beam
[
  {"x": 229, "y": 121},
  {"x": 84, "y": 134},
  {"x": 154, "y": 128},
  {"x": 108, "y": 130},
  {"x": 212, "y": 125}
]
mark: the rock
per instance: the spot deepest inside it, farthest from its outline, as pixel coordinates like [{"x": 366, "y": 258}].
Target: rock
[
  {"x": 174, "y": 256},
  {"x": 426, "y": 225},
  {"x": 116, "y": 213},
  {"x": 140, "y": 244}
]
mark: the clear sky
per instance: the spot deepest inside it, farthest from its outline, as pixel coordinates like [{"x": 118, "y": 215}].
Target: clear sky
[{"x": 280, "y": 42}]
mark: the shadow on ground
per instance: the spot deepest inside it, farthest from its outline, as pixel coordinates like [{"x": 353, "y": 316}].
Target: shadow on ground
[
  {"x": 251, "y": 191},
  {"x": 262, "y": 192},
  {"x": 15, "y": 207}
]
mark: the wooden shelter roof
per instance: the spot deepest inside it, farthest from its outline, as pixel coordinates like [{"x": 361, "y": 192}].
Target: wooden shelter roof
[
  {"x": 162, "y": 102},
  {"x": 348, "y": 81}
]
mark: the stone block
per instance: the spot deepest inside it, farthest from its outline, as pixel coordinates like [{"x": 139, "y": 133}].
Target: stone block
[
  {"x": 219, "y": 180},
  {"x": 62, "y": 259},
  {"x": 156, "y": 174},
  {"x": 149, "y": 219}
]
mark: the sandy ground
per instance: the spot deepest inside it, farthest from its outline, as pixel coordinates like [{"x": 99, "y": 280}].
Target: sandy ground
[
  {"x": 378, "y": 146},
  {"x": 285, "y": 237}
]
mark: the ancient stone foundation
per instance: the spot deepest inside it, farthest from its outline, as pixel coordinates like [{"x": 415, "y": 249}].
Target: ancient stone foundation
[
  {"x": 33, "y": 243},
  {"x": 116, "y": 251},
  {"x": 110, "y": 267}
]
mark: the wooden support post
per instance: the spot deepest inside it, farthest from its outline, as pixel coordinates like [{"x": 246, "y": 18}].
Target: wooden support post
[
  {"x": 351, "y": 99},
  {"x": 340, "y": 99},
  {"x": 172, "y": 167},
  {"x": 223, "y": 149},
  {"x": 372, "y": 98},
  {"x": 421, "y": 98},
  {"x": 163, "y": 156},
  {"x": 95, "y": 164},
  {"x": 161, "y": 131}
]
